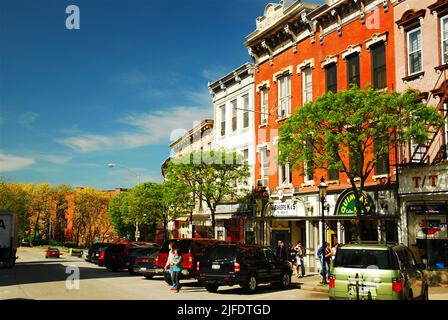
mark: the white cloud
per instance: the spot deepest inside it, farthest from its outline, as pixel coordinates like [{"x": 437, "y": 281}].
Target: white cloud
[
  {"x": 145, "y": 129},
  {"x": 9, "y": 162},
  {"x": 214, "y": 74},
  {"x": 27, "y": 118},
  {"x": 54, "y": 158}
]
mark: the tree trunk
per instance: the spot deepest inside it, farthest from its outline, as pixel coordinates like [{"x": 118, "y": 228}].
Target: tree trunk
[{"x": 212, "y": 211}]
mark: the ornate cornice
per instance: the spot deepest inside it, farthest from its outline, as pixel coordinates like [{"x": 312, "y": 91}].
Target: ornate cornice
[
  {"x": 411, "y": 19},
  {"x": 440, "y": 7}
]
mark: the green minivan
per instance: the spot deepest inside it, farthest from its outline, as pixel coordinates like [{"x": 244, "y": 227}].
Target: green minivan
[{"x": 376, "y": 271}]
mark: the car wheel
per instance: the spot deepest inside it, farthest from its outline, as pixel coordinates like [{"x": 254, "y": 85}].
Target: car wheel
[
  {"x": 167, "y": 278},
  {"x": 211, "y": 287},
  {"x": 285, "y": 280},
  {"x": 251, "y": 284},
  {"x": 149, "y": 277}
]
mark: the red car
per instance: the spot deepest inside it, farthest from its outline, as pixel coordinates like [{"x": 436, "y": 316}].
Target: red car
[
  {"x": 191, "y": 250},
  {"x": 52, "y": 253}
]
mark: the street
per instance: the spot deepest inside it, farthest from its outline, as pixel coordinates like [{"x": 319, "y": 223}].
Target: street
[{"x": 35, "y": 277}]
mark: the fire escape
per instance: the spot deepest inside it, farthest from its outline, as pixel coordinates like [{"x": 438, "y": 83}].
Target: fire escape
[{"x": 434, "y": 149}]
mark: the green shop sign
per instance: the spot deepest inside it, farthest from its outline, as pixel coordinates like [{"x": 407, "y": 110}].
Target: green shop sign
[{"x": 346, "y": 204}]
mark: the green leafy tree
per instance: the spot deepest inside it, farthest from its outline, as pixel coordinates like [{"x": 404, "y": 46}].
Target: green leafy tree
[
  {"x": 351, "y": 125},
  {"x": 118, "y": 210},
  {"x": 209, "y": 177},
  {"x": 15, "y": 198}
]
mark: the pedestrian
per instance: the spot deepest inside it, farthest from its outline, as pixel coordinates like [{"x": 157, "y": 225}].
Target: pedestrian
[
  {"x": 301, "y": 252},
  {"x": 177, "y": 269},
  {"x": 282, "y": 253},
  {"x": 333, "y": 252},
  {"x": 169, "y": 261},
  {"x": 327, "y": 260},
  {"x": 196, "y": 234},
  {"x": 322, "y": 253},
  {"x": 293, "y": 257}
]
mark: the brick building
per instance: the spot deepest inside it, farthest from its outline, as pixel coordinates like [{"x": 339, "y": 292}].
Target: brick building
[{"x": 301, "y": 51}]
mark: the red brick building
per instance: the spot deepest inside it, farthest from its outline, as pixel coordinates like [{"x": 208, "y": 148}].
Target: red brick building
[{"x": 300, "y": 52}]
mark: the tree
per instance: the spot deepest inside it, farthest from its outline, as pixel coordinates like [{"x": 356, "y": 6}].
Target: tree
[
  {"x": 15, "y": 198},
  {"x": 61, "y": 204},
  {"x": 209, "y": 177},
  {"x": 351, "y": 125},
  {"x": 118, "y": 209},
  {"x": 90, "y": 218}
]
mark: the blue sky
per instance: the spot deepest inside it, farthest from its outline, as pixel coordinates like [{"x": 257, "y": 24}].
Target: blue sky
[{"x": 113, "y": 91}]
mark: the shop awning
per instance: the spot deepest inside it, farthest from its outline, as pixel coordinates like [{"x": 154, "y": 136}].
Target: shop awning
[
  {"x": 182, "y": 219},
  {"x": 223, "y": 216}
]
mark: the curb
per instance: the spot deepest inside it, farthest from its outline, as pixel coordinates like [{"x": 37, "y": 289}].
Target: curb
[{"x": 308, "y": 287}]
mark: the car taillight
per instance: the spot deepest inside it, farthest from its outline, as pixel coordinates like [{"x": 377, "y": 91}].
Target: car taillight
[
  {"x": 197, "y": 266},
  {"x": 397, "y": 285},
  {"x": 102, "y": 255},
  {"x": 156, "y": 261},
  {"x": 332, "y": 280},
  {"x": 190, "y": 262},
  {"x": 237, "y": 267}
]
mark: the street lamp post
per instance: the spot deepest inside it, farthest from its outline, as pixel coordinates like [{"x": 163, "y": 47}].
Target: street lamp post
[
  {"x": 322, "y": 195},
  {"x": 137, "y": 178}
]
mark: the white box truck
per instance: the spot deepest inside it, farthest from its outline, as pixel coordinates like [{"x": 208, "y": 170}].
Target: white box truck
[{"x": 8, "y": 239}]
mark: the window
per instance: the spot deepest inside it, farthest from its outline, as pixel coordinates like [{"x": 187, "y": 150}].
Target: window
[
  {"x": 445, "y": 107},
  {"x": 353, "y": 70},
  {"x": 333, "y": 174},
  {"x": 307, "y": 86},
  {"x": 444, "y": 33},
  {"x": 379, "y": 66},
  {"x": 284, "y": 174},
  {"x": 234, "y": 115},
  {"x": 382, "y": 161},
  {"x": 246, "y": 111},
  {"x": 264, "y": 105},
  {"x": 223, "y": 120},
  {"x": 246, "y": 155},
  {"x": 414, "y": 51},
  {"x": 284, "y": 96},
  {"x": 264, "y": 163},
  {"x": 332, "y": 78}
]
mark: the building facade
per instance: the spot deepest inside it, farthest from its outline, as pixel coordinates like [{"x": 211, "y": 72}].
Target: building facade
[
  {"x": 233, "y": 101},
  {"x": 421, "y": 42},
  {"x": 199, "y": 138},
  {"x": 301, "y": 51}
]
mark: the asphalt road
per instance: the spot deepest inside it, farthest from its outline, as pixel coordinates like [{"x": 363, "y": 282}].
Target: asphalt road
[{"x": 35, "y": 277}]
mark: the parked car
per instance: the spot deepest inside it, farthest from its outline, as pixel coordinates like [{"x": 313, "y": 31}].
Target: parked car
[
  {"x": 94, "y": 248},
  {"x": 377, "y": 271},
  {"x": 145, "y": 265},
  {"x": 138, "y": 252},
  {"x": 191, "y": 250},
  {"x": 94, "y": 256},
  {"x": 244, "y": 265},
  {"x": 52, "y": 253},
  {"x": 101, "y": 257},
  {"x": 116, "y": 252}
]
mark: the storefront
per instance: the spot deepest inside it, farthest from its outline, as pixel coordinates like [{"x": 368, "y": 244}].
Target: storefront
[
  {"x": 424, "y": 208},
  {"x": 230, "y": 222}
]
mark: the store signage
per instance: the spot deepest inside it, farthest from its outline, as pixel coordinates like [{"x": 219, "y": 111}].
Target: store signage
[
  {"x": 428, "y": 179},
  {"x": 283, "y": 209},
  {"x": 431, "y": 227},
  {"x": 347, "y": 204}
]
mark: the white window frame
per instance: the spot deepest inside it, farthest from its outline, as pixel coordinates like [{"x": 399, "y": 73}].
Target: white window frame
[
  {"x": 442, "y": 20},
  {"x": 284, "y": 95},
  {"x": 234, "y": 104},
  {"x": 284, "y": 181},
  {"x": 264, "y": 96},
  {"x": 305, "y": 92},
  {"x": 264, "y": 165},
  {"x": 245, "y": 110},
  {"x": 410, "y": 53},
  {"x": 223, "y": 120},
  {"x": 445, "y": 106}
]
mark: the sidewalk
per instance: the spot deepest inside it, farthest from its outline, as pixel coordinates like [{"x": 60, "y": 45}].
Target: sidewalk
[{"x": 311, "y": 282}]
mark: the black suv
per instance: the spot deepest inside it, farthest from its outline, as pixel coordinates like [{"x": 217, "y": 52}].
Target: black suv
[{"x": 245, "y": 265}]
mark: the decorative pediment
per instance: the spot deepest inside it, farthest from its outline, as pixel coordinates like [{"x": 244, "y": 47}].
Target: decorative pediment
[
  {"x": 377, "y": 38},
  {"x": 263, "y": 85},
  {"x": 351, "y": 50},
  {"x": 272, "y": 13},
  {"x": 440, "y": 7},
  {"x": 283, "y": 72},
  {"x": 328, "y": 61},
  {"x": 411, "y": 19},
  {"x": 305, "y": 64}
]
